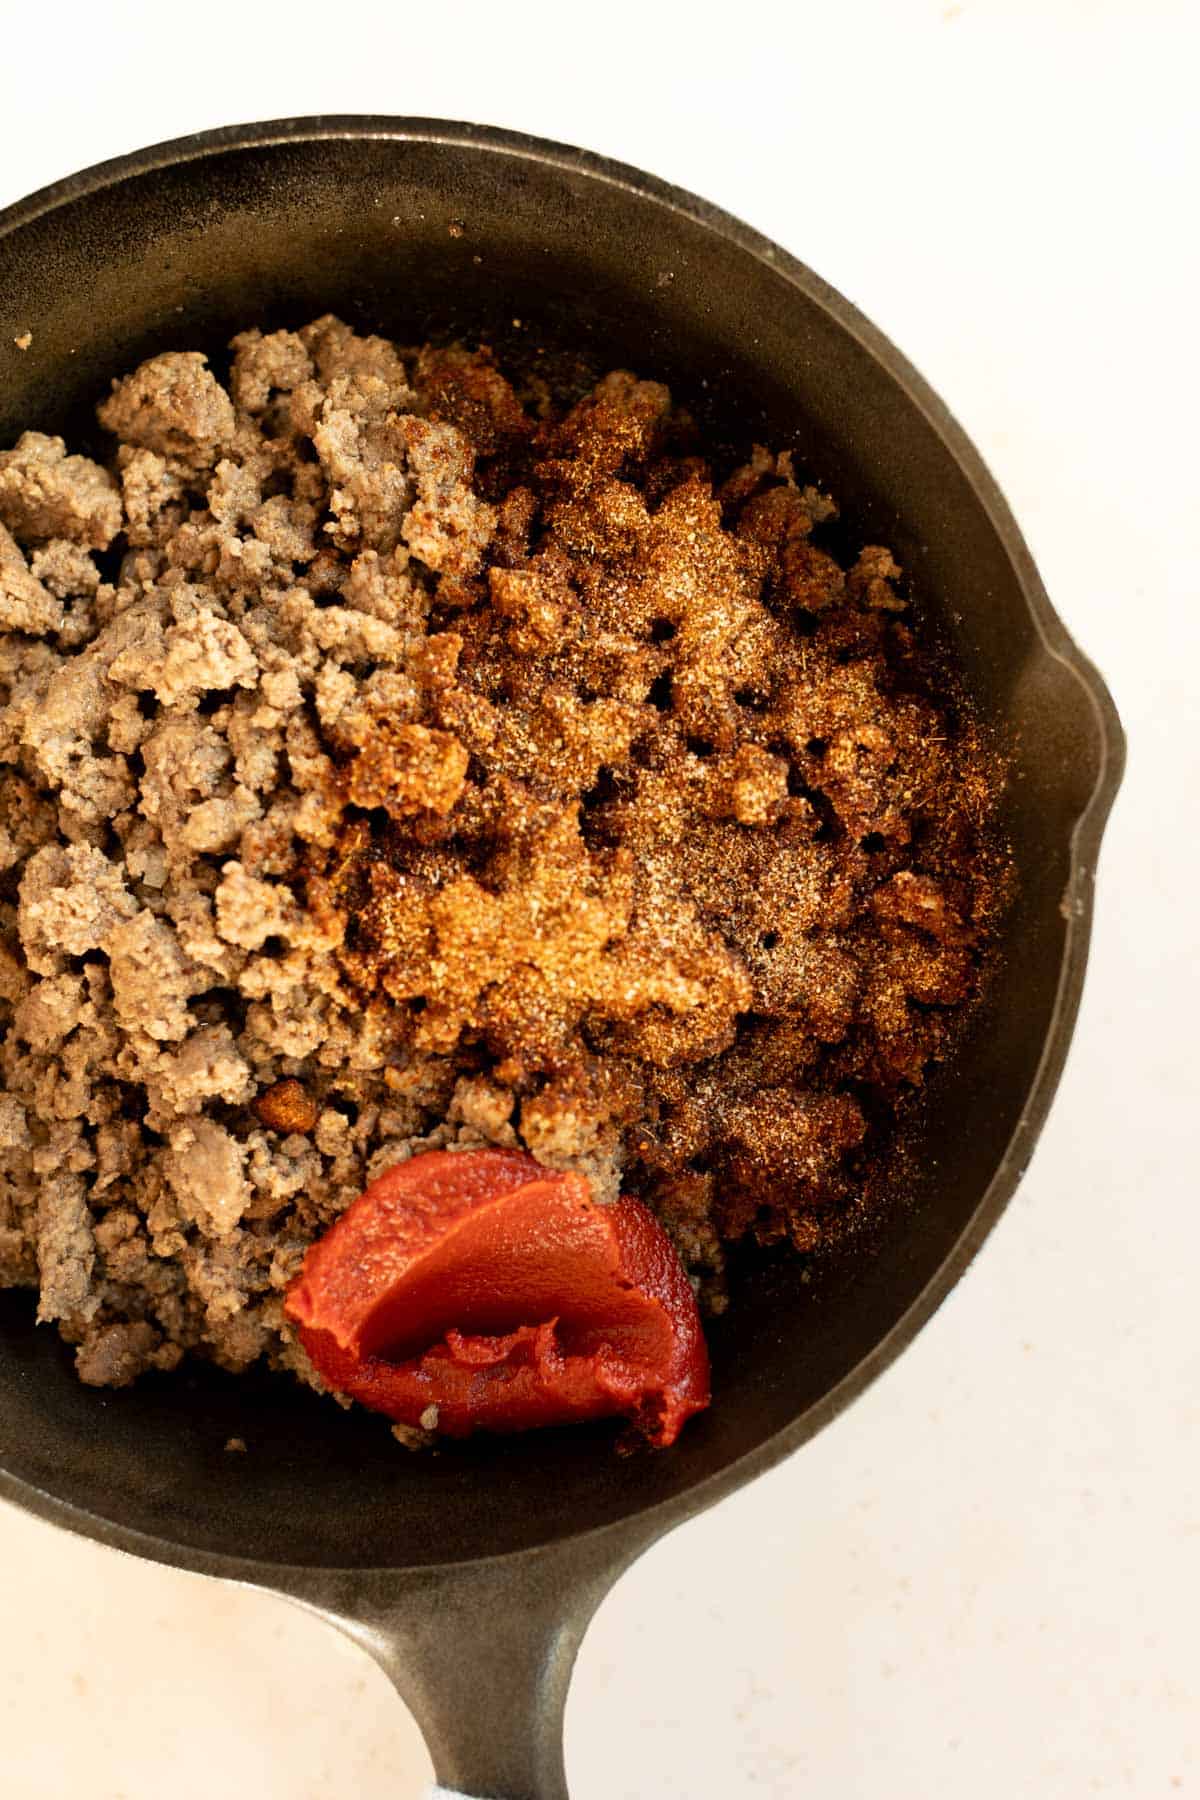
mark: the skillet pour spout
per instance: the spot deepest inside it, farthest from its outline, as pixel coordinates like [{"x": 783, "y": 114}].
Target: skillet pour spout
[{"x": 470, "y": 1575}]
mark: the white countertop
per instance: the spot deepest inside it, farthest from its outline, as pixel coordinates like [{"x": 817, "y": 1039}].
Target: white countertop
[{"x": 983, "y": 1578}]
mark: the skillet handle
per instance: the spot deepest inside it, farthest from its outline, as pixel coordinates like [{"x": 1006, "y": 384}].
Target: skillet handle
[{"x": 482, "y": 1654}]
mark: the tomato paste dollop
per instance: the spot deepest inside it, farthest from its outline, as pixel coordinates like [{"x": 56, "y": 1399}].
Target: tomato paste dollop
[{"x": 502, "y": 1294}]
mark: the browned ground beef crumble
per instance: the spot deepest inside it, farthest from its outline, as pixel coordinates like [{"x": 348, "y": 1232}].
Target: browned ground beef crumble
[{"x": 445, "y": 767}]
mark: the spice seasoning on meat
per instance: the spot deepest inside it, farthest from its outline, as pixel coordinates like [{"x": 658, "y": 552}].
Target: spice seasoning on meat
[{"x": 437, "y": 767}]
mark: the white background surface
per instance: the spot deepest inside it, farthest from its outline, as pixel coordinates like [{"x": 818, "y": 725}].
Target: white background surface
[{"x": 983, "y": 1579}]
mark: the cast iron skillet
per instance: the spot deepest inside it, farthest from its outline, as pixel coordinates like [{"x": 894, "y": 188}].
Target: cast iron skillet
[{"x": 471, "y": 1576}]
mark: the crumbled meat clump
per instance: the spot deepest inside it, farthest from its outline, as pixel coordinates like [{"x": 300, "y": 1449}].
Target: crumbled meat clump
[{"x": 429, "y": 764}]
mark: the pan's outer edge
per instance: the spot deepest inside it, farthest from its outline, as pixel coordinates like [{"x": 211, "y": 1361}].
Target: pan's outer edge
[{"x": 649, "y": 1523}]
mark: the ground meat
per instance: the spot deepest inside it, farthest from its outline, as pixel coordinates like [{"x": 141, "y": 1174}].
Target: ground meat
[
  {"x": 26, "y": 604},
  {"x": 71, "y": 901},
  {"x": 441, "y": 770},
  {"x": 173, "y": 405},
  {"x": 151, "y": 978},
  {"x": 44, "y": 493}
]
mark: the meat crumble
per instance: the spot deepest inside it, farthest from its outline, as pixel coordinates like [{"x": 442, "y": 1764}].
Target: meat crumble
[{"x": 395, "y": 758}]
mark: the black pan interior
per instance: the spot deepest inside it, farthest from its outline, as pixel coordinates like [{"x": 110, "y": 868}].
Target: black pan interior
[{"x": 418, "y": 239}]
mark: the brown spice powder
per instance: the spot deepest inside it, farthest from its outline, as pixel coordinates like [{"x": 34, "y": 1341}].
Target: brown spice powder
[{"x": 687, "y": 845}]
